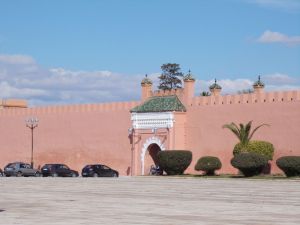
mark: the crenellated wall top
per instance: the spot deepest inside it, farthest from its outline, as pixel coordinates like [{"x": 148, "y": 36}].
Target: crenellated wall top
[
  {"x": 199, "y": 101},
  {"x": 178, "y": 92},
  {"x": 59, "y": 109},
  {"x": 251, "y": 98}
]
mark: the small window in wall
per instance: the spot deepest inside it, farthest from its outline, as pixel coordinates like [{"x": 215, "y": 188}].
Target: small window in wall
[
  {"x": 282, "y": 99},
  {"x": 264, "y": 100},
  {"x": 255, "y": 101}
]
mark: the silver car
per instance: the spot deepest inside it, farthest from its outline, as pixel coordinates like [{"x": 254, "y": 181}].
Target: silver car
[{"x": 20, "y": 169}]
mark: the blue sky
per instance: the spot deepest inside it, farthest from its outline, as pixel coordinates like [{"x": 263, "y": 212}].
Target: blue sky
[{"x": 60, "y": 52}]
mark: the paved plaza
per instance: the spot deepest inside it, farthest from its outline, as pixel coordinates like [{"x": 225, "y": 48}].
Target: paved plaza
[{"x": 148, "y": 200}]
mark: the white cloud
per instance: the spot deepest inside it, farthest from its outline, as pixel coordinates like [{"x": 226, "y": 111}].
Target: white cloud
[
  {"x": 286, "y": 5},
  {"x": 279, "y": 79},
  {"x": 61, "y": 86},
  {"x": 9, "y": 91},
  {"x": 22, "y": 77},
  {"x": 16, "y": 59},
  {"x": 228, "y": 86},
  {"x": 276, "y": 37},
  {"x": 273, "y": 82}
]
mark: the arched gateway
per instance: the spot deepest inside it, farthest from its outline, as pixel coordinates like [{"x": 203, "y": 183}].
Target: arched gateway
[
  {"x": 151, "y": 147},
  {"x": 153, "y": 130}
]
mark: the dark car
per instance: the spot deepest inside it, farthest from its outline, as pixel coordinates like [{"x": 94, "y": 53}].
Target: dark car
[
  {"x": 98, "y": 170},
  {"x": 58, "y": 170},
  {"x": 20, "y": 169}
]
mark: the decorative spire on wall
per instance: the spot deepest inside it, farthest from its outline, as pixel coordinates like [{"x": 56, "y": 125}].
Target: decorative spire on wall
[
  {"x": 258, "y": 83},
  {"x": 146, "y": 81},
  {"x": 189, "y": 77},
  {"x": 215, "y": 86}
]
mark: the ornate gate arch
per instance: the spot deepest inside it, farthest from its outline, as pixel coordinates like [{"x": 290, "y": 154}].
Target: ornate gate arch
[{"x": 148, "y": 142}]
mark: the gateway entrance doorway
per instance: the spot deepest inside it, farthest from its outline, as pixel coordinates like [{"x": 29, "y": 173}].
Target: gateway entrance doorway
[{"x": 151, "y": 157}]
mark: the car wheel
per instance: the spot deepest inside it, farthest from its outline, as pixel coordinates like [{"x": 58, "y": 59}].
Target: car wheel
[
  {"x": 19, "y": 174},
  {"x": 95, "y": 175},
  {"x": 54, "y": 175},
  {"x": 37, "y": 174},
  {"x": 74, "y": 175},
  {"x": 115, "y": 175}
]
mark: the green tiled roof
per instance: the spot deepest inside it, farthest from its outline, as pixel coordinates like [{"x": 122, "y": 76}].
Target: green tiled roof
[{"x": 160, "y": 104}]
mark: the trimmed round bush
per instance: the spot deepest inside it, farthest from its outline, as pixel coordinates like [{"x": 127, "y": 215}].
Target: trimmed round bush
[
  {"x": 174, "y": 162},
  {"x": 290, "y": 165},
  {"x": 260, "y": 147},
  {"x": 208, "y": 164},
  {"x": 249, "y": 163}
]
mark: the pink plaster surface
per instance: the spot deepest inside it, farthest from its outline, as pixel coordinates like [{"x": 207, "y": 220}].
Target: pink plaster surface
[
  {"x": 98, "y": 133},
  {"x": 75, "y": 135},
  {"x": 205, "y": 118}
]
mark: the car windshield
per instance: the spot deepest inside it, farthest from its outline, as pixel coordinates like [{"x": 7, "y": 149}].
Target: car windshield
[
  {"x": 64, "y": 167},
  {"x": 11, "y": 165},
  {"x": 47, "y": 166}
]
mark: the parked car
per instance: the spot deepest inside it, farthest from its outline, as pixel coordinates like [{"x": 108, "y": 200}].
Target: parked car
[
  {"x": 20, "y": 169},
  {"x": 58, "y": 170},
  {"x": 98, "y": 170}
]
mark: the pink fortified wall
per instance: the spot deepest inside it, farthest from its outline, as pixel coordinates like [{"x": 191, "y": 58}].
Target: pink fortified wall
[
  {"x": 206, "y": 116},
  {"x": 98, "y": 133},
  {"x": 75, "y": 135}
]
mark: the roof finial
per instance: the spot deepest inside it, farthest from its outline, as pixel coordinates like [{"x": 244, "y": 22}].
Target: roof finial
[
  {"x": 258, "y": 83},
  {"x": 146, "y": 80},
  {"x": 215, "y": 85},
  {"x": 189, "y": 77}
]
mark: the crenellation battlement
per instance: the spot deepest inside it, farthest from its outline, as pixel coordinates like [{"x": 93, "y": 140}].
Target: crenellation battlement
[
  {"x": 179, "y": 92},
  {"x": 268, "y": 97},
  {"x": 76, "y": 108}
]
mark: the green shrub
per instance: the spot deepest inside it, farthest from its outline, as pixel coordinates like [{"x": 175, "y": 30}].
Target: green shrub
[
  {"x": 174, "y": 162},
  {"x": 208, "y": 164},
  {"x": 260, "y": 147},
  {"x": 249, "y": 163},
  {"x": 290, "y": 165}
]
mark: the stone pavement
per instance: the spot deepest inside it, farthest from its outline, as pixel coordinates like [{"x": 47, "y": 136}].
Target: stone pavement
[{"x": 148, "y": 200}]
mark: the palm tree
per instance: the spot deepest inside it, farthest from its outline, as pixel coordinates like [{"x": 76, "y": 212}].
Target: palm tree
[
  {"x": 205, "y": 93},
  {"x": 243, "y": 131}
]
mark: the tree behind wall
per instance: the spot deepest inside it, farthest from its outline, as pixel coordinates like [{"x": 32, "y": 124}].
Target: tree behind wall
[{"x": 170, "y": 77}]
